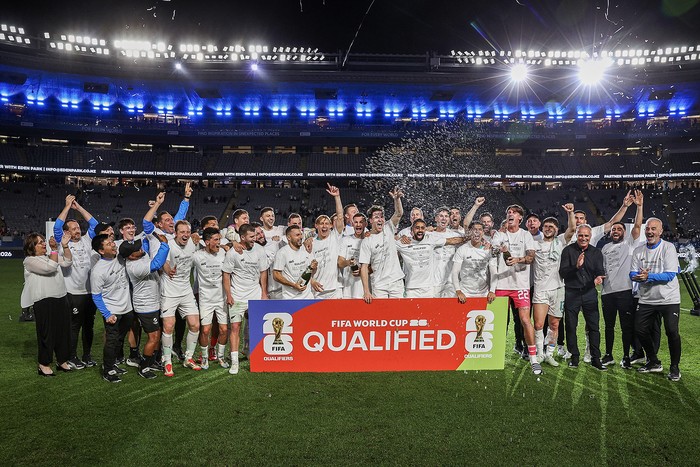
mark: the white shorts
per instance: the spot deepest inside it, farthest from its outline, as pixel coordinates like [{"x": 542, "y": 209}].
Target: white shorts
[
  {"x": 275, "y": 294},
  {"x": 553, "y": 298},
  {"x": 237, "y": 311},
  {"x": 353, "y": 289},
  {"x": 186, "y": 305},
  {"x": 423, "y": 292},
  {"x": 328, "y": 294},
  {"x": 206, "y": 314},
  {"x": 447, "y": 290},
  {"x": 394, "y": 290}
]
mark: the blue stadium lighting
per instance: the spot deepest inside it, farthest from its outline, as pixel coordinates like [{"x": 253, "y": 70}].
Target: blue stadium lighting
[
  {"x": 681, "y": 112},
  {"x": 131, "y": 110},
  {"x": 219, "y": 114},
  {"x": 4, "y": 99},
  {"x": 199, "y": 113},
  {"x": 227, "y": 113},
  {"x": 74, "y": 106},
  {"x": 559, "y": 117}
]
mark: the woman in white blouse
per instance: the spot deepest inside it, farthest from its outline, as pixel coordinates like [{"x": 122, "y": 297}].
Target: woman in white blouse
[{"x": 45, "y": 290}]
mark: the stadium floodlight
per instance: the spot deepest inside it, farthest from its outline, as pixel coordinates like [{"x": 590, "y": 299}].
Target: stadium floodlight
[
  {"x": 518, "y": 72},
  {"x": 254, "y": 67},
  {"x": 592, "y": 72}
]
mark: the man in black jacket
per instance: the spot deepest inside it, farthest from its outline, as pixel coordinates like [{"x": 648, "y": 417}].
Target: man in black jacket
[{"x": 582, "y": 270}]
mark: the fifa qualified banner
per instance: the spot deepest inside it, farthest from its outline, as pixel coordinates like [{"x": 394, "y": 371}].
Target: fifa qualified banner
[{"x": 386, "y": 335}]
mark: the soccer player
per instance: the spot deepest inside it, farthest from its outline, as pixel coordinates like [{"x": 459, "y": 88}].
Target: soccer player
[
  {"x": 110, "y": 292},
  {"x": 600, "y": 231},
  {"x": 455, "y": 224},
  {"x": 244, "y": 279},
  {"x": 208, "y": 263},
  {"x": 240, "y": 217},
  {"x": 273, "y": 233},
  {"x": 378, "y": 251},
  {"x": 474, "y": 267},
  {"x": 415, "y": 214},
  {"x": 616, "y": 294},
  {"x": 349, "y": 258},
  {"x": 655, "y": 266},
  {"x": 478, "y": 202},
  {"x": 486, "y": 220},
  {"x": 77, "y": 280},
  {"x": 444, "y": 254},
  {"x": 274, "y": 288},
  {"x": 291, "y": 262},
  {"x": 349, "y": 211},
  {"x": 513, "y": 273},
  {"x": 533, "y": 224},
  {"x": 325, "y": 250},
  {"x": 582, "y": 269}
]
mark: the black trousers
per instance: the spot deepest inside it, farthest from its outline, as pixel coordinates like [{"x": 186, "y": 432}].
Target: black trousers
[
  {"x": 52, "y": 318},
  {"x": 586, "y": 301},
  {"x": 646, "y": 318},
  {"x": 82, "y": 317},
  {"x": 622, "y": 303},
  {"x": 114, "y": 338}
]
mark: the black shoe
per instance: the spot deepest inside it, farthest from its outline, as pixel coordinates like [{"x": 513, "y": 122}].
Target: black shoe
[
  {"x": 179, "y": 353},
  {"x": 607, "y": 360},
  {"x": 120, "y": 371},
  {"x": 573, "y": 363},
  {"x": 41, "y": 373},
  {"x": 518, "y": 349},
  {"x": 637, "y": 357},
  {"x": 598, "y": 364},
  {"x": 134, "y": 361},
  {"x": 147, "y": 373},
  {"x": 525, "y": 355},
  {"x": 626, "y": 363},
  {"x": 64, "y": 370},
  {"x": 651, "y": 368},
  {"x": 111, "y": 376},
  {"x": 75, "y": 363},
  {"x": 157, "y": 366},
  {"x": 119, "y": 360},
  {"x": 88, "y": 361},
  {"x": 674, "y": 374}
]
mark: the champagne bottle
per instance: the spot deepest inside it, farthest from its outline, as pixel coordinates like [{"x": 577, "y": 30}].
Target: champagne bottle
[
  {"x": 353, "y": 266},
  {"x": 305, "y": 276},
  {"x": 506, "y": 255}
]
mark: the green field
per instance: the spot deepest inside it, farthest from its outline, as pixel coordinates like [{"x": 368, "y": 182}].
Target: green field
[{"x": 510, "y": 417}]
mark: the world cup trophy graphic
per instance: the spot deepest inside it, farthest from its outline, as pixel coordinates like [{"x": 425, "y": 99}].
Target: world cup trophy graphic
[
  {"x": 480, "y": 322},
  {"x": 277, "y": 325}
]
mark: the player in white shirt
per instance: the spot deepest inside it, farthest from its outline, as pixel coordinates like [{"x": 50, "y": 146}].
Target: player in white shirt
[
  {"x": 240, "y": 217},
  {"x": 486, "y": 219},
  {"x": 469, "y": 217},
  {"x": 273, "y": 233},
  {"x": 444, "y": 254},
  {"x": 349, "y": 258},
  {"x": 325, "y": 250},
  {"x": 349, "y": 211},
  {"x": 177, "y": 296},
  {"x": 513, "y": 274},
  {"x": 474, "y": 267},
  {"x": 419, "y": 260},
  {"x": 616, "y": 293},
  {"x": 208, "y": 263},
  {"x": 244, "y": 279},
  {"x": 455, "y": 224},
  {"x": 415, "y": 214},
  {"x": 378, "y": 251},
  {"x": 291, "y": 261},
  {"x": 274, "y": 288}
]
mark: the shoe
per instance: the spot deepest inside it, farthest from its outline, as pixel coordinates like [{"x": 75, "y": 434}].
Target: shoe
[
  {"x": 625, "y": 363},
  {"x": 41, "y": 373},
  {"x": 637, "y": 358},
  {"x": 205, "y": 363},
  {"x": 169, "y": 370},
  {"x": 651, "y": 368},
  {"x": 111, "y": 376},
  {"x": 157, "y": 366},
  {"x": 525, "y": 355},
  {"x": 179, "y": 354},
  {"x": 607, "y": 360},
  {"x": 561, "y": 350},
  {"x": 64, "y": 370},
  {"x": 242, "y": 356},
  {"x": 549, "y": 359},
  {"x": 223, "y": 363},
  {"x": 147, "y": 373},
  {"x": 234, "y": 368},
  {"x": 134, "y": 361},
  {"x": 674, "y": 374},
  {"x": 88, "y": 361},
  {"x": 540, "y": 357},
  {"x": 599, "y": 365},
  {"x": 119, "y": 360},
  {"x": 587, "y": 351},
  {"x": 120, "y": 371},
  {"x": 573, "y": 363},
  {"x": 190, "y": 363},
  {"x": 76, "y": 364},
  {"x": 536, "y": 368},
  {"x": 587, "y": 358},
  {"x": 567, "y": 355},
  {"x": 212, "y": 355},
  {"x": 517, "y": 349}
]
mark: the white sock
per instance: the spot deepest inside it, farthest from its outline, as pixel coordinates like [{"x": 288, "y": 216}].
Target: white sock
[
  {"x": 205, "y": 352},
  {"x": 539, "y": 341},
  {"x": 220, "y": 350},
  {"x": 234, "y": 357},
  {"x": 192, "y": 338},
  {"x": 550, "y": 350},
  {"x": 167, "y": 345}
]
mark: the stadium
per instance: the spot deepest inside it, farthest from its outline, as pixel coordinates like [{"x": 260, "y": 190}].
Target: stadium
[{"x": 519, "y": 102}]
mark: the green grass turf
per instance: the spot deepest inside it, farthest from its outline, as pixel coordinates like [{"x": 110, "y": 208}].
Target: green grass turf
[{"x": 510, "y": 417}]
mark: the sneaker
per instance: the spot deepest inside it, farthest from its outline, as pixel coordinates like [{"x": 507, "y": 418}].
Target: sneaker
[
  {"x": 234, "y": 368},
  {"x": 674, "y": 374},
  {"x": 549, "y": 359},
  {"x": 525, "y": 355},
  {"x": 599, "y": 365},
  {"x": 147, "y": 373},
  {"x": 587, "y": 357},
  {"x": 540, "y": 357},
  {"x": 573, "y": 363},
  {"x": 651, "y": 368},
  {"x": 190, "y": 363},
  {"x": 536, "y": 368},
  {"x": 88, "y": 361},
  {"x": 626, "y": 363},
  {"x": 607, "y": 360},
  {"x": 75, "y": 364},
  {"x": 637, "y": 358},
  {"x": 179, "y": 354},
  {"x": 205, "y": 363},
  {"x": 157, "y": 366},
  {"x": 561, "y": 350},
  {"x": 517, "y": 349},
  {"x": 111, "y": 376},
  {"x": 212, "y": 355},
  {"x": 169, "y": 370},
  {"x": 134, "y": 361},
  {"x": 120, "y": 371},
  {"x": 223, "y": 363},
  {"x": 567, "y": 355},
  {"x": 119, "y": 360}
]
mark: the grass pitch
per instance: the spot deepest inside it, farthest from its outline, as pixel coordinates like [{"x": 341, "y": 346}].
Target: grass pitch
[{"x": 510, "y": 417}]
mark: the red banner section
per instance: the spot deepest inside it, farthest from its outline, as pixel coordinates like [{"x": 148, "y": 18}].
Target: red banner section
[{"x": 386, "y": 335}]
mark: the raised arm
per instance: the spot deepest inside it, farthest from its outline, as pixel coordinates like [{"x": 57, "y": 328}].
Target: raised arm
[
  {"x": 61, "y": 219},
  {"x": 472, "y": 212},
  {"x": 396, "y": 194},
  {"x": 339, "y": 218},
  {"x": 571, "y": 218},
  {"x": 639, "y": 217},
  {"x": 184, "y": 204},
  {"x": 162, "y": 255},
  {"x": 153, "y": 208},
  {"x": 626, "y": 203},
  {"x": 92, "y": 222}
]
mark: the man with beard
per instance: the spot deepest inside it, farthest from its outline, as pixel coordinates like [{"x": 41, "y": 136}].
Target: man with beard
[
  {"x": 349, "y": 258},
  {"x": 474, "y": 268},
  {"x": 291, "y": 262},
  {"x": 325, "y": 250},
  {"x": 486, "y": 220},
  {"x": 443, "y": 255},
  {"x": 455, "y": 224},
  {"x": 415, "y": 214}
]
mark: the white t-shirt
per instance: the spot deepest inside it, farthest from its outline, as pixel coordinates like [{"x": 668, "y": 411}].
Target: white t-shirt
[
  {"x": 325, "y": 252},
  {"x": 208, "y": 269},
  {"x": 419, "y": 261},
  {"x": 77, "y": 276},
  {"x": 108, "y": 277},
  {"x": 546, "y": 264},
  {"x": 181, "y": 258},
  {"x": 292, "y": 264},
  {"x": 516, "y": 277},
  {"x": 245, "y": 269},
  {"x": 443, "y": 259},
  {"x": 145, "y": 285},
  {"x": 663, "y": 258},
  {"x": 475, "y": 266},
  {"x": 350, "y": 248},
  {"x": 617, "y": 260},
  {"x": 379, "y": 251}
]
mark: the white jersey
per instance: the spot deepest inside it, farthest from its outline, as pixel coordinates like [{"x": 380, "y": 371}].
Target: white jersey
[
  {"x": 475, "y": 267},
  {"x": 77, "y": 276},
  {"x": 517, "y": 276},
  {"x": 292, "y": 263},
  {"x": 597, "y": 233},
  {"x": 276, "y": 231},
  {"x": 406, "y": 232},
  {"x": 145, "y": 285},
  {"x": 208, "y": 269},
  {"x": 379, "y": 251},
  {"x": 443, "y": 261},
  {"x": 617, "y": 260},
  {"x": 154, "y": 243},
  {"x": 546, "y": 264},
  {"x": 108, "y": 277},
  {"x": 245, "y": 269},
  {"x": 352, "y": 285},
  {"x": 662, "y": 258},
  {"x": 180, "y": 257},
  {"x": 326, "y": 252},
  {"x": 419, "y": 261}
]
